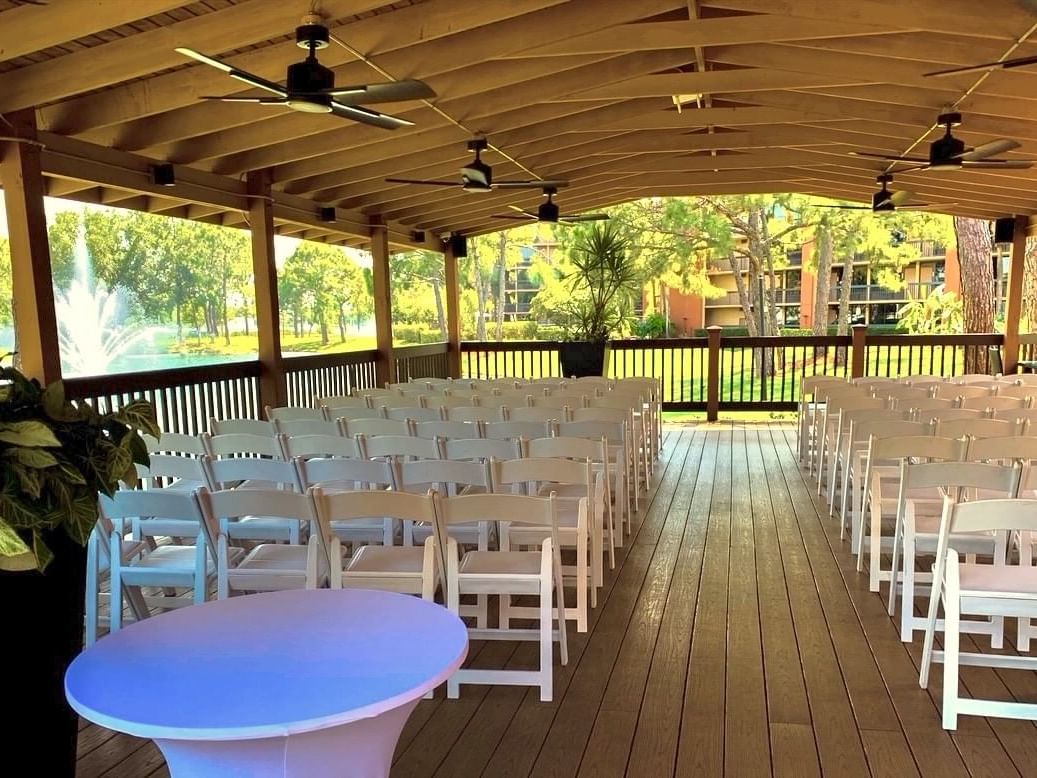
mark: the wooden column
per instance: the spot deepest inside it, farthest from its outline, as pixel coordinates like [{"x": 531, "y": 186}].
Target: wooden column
[
  {"x": 713, "y": 373},
  {"x": 272, "y": 386},
  {"x": 386, "y": 368},
  {"x": 858, "y": 364},
  {"x": 1014, "y": 306},
  {"x": 39, "y": 354},
  {"x": 453, "y": 312}
]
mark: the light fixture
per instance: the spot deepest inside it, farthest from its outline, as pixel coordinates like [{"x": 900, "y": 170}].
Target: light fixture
[
  {"x": 163, "y": 175},
  {"x": 418, "y": 236},
  {"x": 327, "y": 214},
  {"x": 458, "y": 245}
]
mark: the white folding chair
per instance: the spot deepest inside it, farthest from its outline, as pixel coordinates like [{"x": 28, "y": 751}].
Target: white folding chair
[
  {"x": 472, "y": 413},
  {"x": 447, "y": 429},
  {"x": 257, "y": 475},
  {"x": 542, "y": 477},
  {"x": 513, "y": 430},
  {"x": 296, "y": 427},
  {"x": 351, "y": 475},
  {"x": 537, "y": 573},
  {"x": 241, "y": 427},
  {"x": 352, "y": 413},
  {"x": 809, "y": 406},
  {"x": 176, "y": 472},
  {"x": 974, "y": 588},
  {"x": 542, "y": 415},
  {"x": 994, "y": 402},
  {"x": 306, "y": 446},
  {"x": 615, "y": 436},
  {"x": 105, "y": 539},
  {"x": 395, "y": 448},
  {"x": 918, "y": 534},
  {"x": 294, "y": 413},
  {"x": 372, "y": 427},
  {"x": 176, "y": 443},
  {"x": 413, "y": 413},
  {"x": 481, "y": 449},
  {"x": 267, "y": 566},
  {"x": 340, "y": 402}
]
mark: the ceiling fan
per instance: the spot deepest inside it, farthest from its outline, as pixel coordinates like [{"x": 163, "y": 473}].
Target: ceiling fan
[
  {"x": 950, "y": 153},
  {"x": 310, "y": 87},
  {"x": 548, "y": 212},
  {"x": 477, "y": 176},
  {"x": 885, "y": 201}
]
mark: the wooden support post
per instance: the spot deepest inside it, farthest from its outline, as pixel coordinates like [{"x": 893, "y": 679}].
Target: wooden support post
[
  {"x": 385, "y": 369},
  {"x": 39, "y": 353},
  {"x": 713, "y": 373},
  {"x": 453, "y": 312},
  {"x": 272, "y": 386},
  {"x": 859, "y": 350},
  {"x": 1014, "y": 307}
]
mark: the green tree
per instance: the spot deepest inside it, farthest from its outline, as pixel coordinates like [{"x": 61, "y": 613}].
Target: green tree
[{"x": 320, "y": 283}]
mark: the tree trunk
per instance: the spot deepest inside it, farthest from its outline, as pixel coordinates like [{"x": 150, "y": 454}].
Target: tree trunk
[
  {"x": 1030, "y": 287},
  {"x": 843, "y": 322},
  {"x": 743, "y": 296},
  {"x": 825, "y": 250},
  {"x": 226, "y": 320},
  {"x": 323, "y": 319},
  {"x": 502, "y": 264},
  {"x": 437, "y": 291},
  {"x": 480, "y": 293},
  {"x": 975, "y": 252}
]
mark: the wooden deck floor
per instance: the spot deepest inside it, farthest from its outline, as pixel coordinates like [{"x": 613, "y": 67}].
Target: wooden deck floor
[{"x": 734, "y": 638}]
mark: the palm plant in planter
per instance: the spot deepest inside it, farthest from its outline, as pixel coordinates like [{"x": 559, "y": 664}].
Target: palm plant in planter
[
  {"x": 56, "y": 456},
  {"x": 602, "y": 285}
]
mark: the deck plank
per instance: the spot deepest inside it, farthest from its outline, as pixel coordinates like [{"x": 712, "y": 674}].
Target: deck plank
[{"x": 734, "y": 638}]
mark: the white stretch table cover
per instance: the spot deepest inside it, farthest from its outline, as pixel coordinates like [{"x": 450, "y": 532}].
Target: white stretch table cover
[{"x": 300, "y": 683}]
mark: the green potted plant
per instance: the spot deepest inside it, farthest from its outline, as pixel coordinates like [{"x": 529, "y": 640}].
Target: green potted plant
[
  {"x": 602, "y": 285},
  {"x": 56, "y": 456}
]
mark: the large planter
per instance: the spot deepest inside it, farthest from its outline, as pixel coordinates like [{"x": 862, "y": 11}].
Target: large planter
[
  {"x": 580, "y": 358},
  {"x": 43, "y": 628}
]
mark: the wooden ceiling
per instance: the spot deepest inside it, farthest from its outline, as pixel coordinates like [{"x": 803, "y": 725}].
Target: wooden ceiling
[{"x": 581, "y": 90}]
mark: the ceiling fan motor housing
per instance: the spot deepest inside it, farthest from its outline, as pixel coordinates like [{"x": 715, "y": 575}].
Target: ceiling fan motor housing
[
  {"x": 943, "y": 152},
  {"x": 548, "y": 212},
  {"x": 309, "y": 76},
  {"x": 312, "y": 33},
  {"x": 883, "y": 201},
  {"x": 477, "y": 176}
]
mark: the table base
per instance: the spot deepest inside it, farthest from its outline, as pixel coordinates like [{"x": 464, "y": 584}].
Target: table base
[{"x": 360, "y": 749}]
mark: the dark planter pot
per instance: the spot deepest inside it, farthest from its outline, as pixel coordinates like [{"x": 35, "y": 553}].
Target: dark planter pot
[
  {"x": 43, "y": 628},
  {"x": 582, "y": 358}
]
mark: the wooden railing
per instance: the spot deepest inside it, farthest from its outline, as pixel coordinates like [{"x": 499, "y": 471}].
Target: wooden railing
[
  {"x": 519, "y": 358},
  {"x": 679, "y": 363},
  {"x": 428, "y": 361},
  {"x": 184, "y": 398},
  {"x": 327, "y": 375}
]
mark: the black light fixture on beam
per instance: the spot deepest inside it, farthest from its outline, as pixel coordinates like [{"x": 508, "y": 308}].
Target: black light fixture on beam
[
  {"x": 327, "y": 214},
  {"x": 458, "y": 245},
  {"x": 163, "y": 175},
  {"x": 418, "y": 236}
]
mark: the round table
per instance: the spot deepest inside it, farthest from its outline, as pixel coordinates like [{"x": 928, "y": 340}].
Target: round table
[{"x": 307, "y": 683}]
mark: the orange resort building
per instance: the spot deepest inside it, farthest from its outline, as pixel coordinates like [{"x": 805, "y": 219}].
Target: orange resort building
[{"x": 936, "y": 270}]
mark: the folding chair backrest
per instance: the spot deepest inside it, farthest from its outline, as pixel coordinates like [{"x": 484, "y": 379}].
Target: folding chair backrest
[
  {"x": 1028, "y": 393},
  {"x": 242, "y": 444},
  {"x": 343, "y": 474},
  {"x": 971, "y": 378},
  {"x": 398, "y": 446},
  {"x": 400, "y": 401},
  {"x": 949, "y": 414},
  {"x": 568, "y": 448},
  {"x": 559, "y": 401},
  {"x": 414, "y": 413},
  {"x": 866, "y": 428},
  {"x": 474, "y": 413},
  {"x": 481, "y": 449},
  {"x": 511, "y": 430},
  {"x": 960, "y": 390},
  {"x": 539, "y": 471},
  {"x": 294, "y": 414},
  {"x": 963, "y": 475},
  {"x": 922, "y": 380},
  {"x": 241, "y": 426},
  {"x": 513, "y": 508},
  {"x": 899, "y": 393},
  {"x": 809, "y": 385},
  {"x": 362, "y": 505},
  {"x": 447, "y": 429},
  {"x": 371, "y": 427},
  {"x": 307, "y": 446},
  {"x": 611, "y": 415},
  {"x": 872, "y": 380},
  {"x": 926, "y": 404},
  {"x": 338, "y": 402},
  {"x": 445, "y": 476},
  {"x": 994, "y": 402},
  {"x": 176, "y": 443},
  {"x": 376, "y": 392},
  {"x": 355, "y": 413},
  {"x": 1018, "y": 415},
  {"x": 446, "y": 402},
  {"x": 613, "y": 431},
  {"x": 928, "y": 447},
  {"x": 853, "y": 418},
  {"x": 295, "y": 427},
  {"x": 977, "y": 428},
  {"x": 854, "y": 403},
  {"x": 538, "y": 414},
  {"x": 1013, "y": 447},
  {"x": 994, "y": 515},
  {"x": 228, "y": 472},
  {"x": 239, "y": 503},
  {"x": 171, "y": 467}
]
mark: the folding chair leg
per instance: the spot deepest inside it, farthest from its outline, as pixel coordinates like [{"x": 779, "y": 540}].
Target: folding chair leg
[{"x": 951, "y": 647}]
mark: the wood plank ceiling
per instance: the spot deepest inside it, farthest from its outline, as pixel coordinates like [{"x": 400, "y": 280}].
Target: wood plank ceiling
[{"x": 581, "y": 90}]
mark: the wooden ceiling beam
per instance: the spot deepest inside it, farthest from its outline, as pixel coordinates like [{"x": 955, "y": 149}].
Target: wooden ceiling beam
[
  {"x": 954, "y": 17},
  {"x": 147, "y": 52},
  {"x": 712, "y": 82},
  {"x": 31, "y": 28},
  {"x": 716, "y": 31}
]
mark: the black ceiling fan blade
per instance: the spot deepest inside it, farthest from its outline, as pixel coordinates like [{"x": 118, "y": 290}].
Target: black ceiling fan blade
[
  {"x": 257, "y": 100},
  {"x": 927, "y": 207},
  {"x": 584, "y": 217},
  {"x": 390, "y": 92},
  {"x": 241, "y": 75},
  {"x": 515, "y": 217},
  {"x": 524, "y": 212},
  {"x": 530, "y": 184},
  {"x": 1017, "y": 62},
  {"x": 367, "y": 116},
  {"x": 423, "y": 183},
  {"x": 998, "y": 164},
  {"x": 901, "y": 198},
  {"x": 991, "y": 149}
]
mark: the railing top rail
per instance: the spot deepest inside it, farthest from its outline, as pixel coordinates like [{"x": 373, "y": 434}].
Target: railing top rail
[
  {"x": 772, "y": 341},
  {"x": 117, "y": 383},
  {"x": 422, "y": 350},
  {"x": 636, "y": 343},
  {"x": 971, "y": 339},
  {"x": 509, "y": 345},
  {"x": 1029, "y": 337},
  {"x": 334, "y": 359}
]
